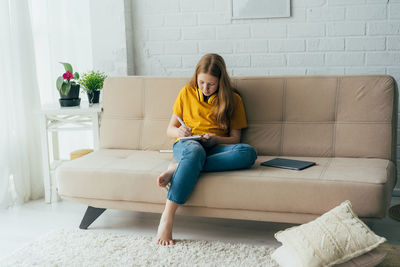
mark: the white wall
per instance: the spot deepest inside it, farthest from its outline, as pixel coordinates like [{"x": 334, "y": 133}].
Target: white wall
[
  {"x": 321, "y": 37},
  {"x": 109, "y": 46}
]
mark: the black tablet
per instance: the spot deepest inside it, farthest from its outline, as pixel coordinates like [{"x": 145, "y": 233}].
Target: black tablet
[{"x": 288, "y": 163}]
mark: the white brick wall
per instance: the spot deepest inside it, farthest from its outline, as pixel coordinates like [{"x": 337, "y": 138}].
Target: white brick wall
[
  {"x": 345, "y": 29},
  {"x": 267, "y": 31},
  {"x": 366, "y": 44},
  {"x": 321, "y": 37}
]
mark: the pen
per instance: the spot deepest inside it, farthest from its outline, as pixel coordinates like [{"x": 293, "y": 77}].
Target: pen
[{"x": 181, "y": 121}]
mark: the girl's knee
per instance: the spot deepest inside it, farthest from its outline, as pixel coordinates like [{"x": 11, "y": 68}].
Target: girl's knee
[
  {"x": 248, "y": 152},
  {"x": 194, "y": 149}
]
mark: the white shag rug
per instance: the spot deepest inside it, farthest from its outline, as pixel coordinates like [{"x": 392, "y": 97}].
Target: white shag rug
[{"x": 93, "y": 248}]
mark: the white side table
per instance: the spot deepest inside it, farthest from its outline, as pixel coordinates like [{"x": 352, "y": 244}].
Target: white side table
[{"x": 53, "y": 119}]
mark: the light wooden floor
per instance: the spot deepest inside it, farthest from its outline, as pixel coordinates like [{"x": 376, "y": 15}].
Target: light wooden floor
[{"x": 28, "y": 222}]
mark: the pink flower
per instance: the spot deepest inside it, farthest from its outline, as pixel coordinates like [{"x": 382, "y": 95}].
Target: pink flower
[{"x": 68, "y": 75}]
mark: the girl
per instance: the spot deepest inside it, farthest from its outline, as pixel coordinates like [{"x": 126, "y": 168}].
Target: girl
[{"x": 211, "y": 108}]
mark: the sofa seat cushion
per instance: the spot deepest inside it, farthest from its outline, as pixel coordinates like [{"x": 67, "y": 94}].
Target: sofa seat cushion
[{"x": 130, "y": 175}]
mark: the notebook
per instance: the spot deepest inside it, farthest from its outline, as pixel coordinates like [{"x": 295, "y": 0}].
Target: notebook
[
  {"x": 288, "y": 164},
  {"x": 192, "y": 137}
]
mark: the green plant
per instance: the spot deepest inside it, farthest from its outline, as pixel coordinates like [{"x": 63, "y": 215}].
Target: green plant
[
  {"x": 92, "y": 81},
  {"x": 65, "y": 81}
]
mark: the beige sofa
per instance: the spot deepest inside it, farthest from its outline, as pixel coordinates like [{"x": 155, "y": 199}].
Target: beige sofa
[{"x": 346, "y": 124}]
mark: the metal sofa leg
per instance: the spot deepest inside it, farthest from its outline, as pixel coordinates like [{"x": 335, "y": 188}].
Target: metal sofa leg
[{"x": 90, "y": 216}]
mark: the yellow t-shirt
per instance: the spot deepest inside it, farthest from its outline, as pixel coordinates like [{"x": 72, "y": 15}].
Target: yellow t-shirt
[{"x": 197, "y": 114}]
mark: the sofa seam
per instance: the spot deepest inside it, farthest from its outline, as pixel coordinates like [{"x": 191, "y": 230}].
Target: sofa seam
[
  {"x": 321, "y": 122},
  {"x": 143, "y": 113},
  {"x": 283, "y": 122},
  {"x": 132, "y": 118},
  {"x": 322, "y": 174},
  {"x": 259, "y": 121},
  {"x": 338, "y": 83},
  {"x": 245, "y": 78}
]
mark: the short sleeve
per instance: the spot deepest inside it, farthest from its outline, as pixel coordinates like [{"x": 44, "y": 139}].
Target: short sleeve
[
  {"x": 238, "y": 120},
  {"x": 177, "y": 108}
]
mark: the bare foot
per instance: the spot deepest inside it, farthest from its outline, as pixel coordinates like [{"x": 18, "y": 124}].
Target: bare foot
[
  {"x": 164, "y": 233},
  {"x": 165, "y": 177}
]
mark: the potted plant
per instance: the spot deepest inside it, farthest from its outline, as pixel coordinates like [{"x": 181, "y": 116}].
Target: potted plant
[
  {"x": 92, "y": 83},
  {"x": 68, "y": 87}
]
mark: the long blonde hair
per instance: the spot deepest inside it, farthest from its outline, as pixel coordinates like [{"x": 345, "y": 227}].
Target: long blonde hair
[{"x": 214, "y": 65}]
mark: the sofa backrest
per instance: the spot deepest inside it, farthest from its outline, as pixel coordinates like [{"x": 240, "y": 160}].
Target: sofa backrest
[{"x": 324, "y": 116}]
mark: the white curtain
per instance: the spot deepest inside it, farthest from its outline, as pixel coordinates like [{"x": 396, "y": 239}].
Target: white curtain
[
  {"x": 20, "y": 158},
  {"x": 34, "y": 36}
]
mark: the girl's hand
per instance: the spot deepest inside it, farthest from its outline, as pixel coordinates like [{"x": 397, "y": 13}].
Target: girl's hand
[
  {"x": 184, "y": 131},
  {"x": 209, "y": 140}
]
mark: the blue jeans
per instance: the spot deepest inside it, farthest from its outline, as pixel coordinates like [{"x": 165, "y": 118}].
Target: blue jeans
[{"x": 193, "y": 158}]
